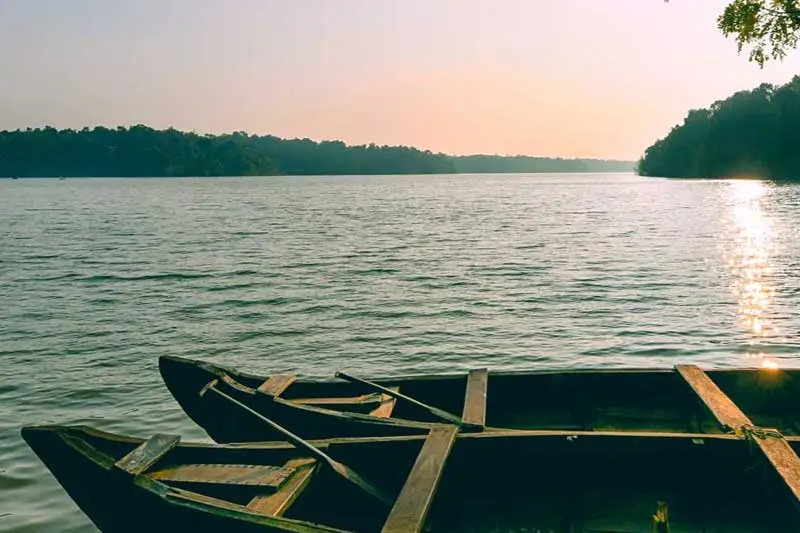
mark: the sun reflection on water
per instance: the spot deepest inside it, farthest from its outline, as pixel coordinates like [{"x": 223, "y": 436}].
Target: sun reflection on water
[{"x": 749, "y": 261}]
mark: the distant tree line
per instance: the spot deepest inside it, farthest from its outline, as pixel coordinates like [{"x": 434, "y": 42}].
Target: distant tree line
[
  {"x": 493, "y": 163},
  {"x": 141, "y": 151},
  {"x": 751, "y": 133}
]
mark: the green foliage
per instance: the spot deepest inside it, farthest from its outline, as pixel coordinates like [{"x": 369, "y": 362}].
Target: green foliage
[
  {"x": 751, "y": 133},
  {"x": 475, "y": 164},
  {"x": 769, "y": 27},
  {"x": 140, "y": 151}
]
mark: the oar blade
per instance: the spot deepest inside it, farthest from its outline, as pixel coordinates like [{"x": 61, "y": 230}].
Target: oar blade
[
  {"x": 339, "y": 468},
  {"x": 365, "y": 485}
]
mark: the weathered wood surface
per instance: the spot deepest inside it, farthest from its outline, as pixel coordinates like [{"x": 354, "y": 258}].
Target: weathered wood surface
[
  {"x": 384, "y": 410},
  {"x": 225, "y": 474},
  {"x": 726, "y": 412},
  {"x": 276, "y": 504},
  {"x": 275, "y": 385},
  {"x": 449, "y": 417},
  {"x": 411, "y": 507},
  {"x": 343, "y": 470},
  {"x": 475, "y": 397},
  {"x": 774, "y": 446},
  {"x": 235, "y": 510},
  {"x": 783, "y": 459},
  {"x": 353, "y": 400},
  {"x": 147, "y": 453}
]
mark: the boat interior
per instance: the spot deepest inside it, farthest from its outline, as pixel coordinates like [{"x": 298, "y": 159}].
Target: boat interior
[
  {"x": 609, "y": 484},
  {"x": 591, "y": 482},
  {"x": 631, "y": 400}
]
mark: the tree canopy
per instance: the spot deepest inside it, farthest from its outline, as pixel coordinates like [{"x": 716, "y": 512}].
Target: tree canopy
[
  {"x": 476, "y": 164},
  {"x": 769, "y": 28},
  {"x": 141, "y": 151},
  {"x": 753, "y": 132}
]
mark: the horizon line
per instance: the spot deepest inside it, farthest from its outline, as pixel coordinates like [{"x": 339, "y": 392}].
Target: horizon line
[{"x": 318, "y": 141}]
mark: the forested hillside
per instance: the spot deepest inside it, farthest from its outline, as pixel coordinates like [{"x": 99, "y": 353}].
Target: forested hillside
[
  {"x": 141, "y": 151},
  {"x": 494, "y": 163},
  {"x": 752, "y": 133}
]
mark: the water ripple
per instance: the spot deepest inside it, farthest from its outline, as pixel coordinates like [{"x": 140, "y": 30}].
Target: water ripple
[{"x": 390, "y": 275}]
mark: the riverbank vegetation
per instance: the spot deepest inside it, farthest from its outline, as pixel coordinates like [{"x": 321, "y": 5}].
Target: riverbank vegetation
[
  {"x": 141, "y": 151},
  {"x": 752, "y": 133}
]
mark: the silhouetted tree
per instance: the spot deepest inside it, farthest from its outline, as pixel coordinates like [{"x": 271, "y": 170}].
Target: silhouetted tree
[
  {"x": 769, "y": 27},
  {"x": 752, "y": 132},
  {"x": 493, "y": 163},
  {"x": 143, "y": 151}
]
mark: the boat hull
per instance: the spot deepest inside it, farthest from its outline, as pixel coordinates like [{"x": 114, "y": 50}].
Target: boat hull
[
  {"x": 83, "y": 461},
  {"x": 227, "y": 422},
  {"x": 631, "y": 400},
  {"x": 501, "y": 481}
]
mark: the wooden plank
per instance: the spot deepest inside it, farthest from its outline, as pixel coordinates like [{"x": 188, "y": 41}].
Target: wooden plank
[
  {"x": 449, "y": 417},
  {"x": 242, "y": 514},
  {"x": 411, "y": 507},
  {"x": 783, "y": 459},
  {"x": 354, "y": 400},
  {"x": 275, "y": 385},
  {"x": 722, "y": 407},
  {"x": 225, "y": 474},
  {"x": 475, "y": 397},
  {"x": 384, "y": 410},
  {"x": 495, "y": 433},
  {"x": 343, "y": 470},
  {"x": 276, "y": 504},
  {"x": 774, "y": 446},
  {"x": 147, "y": 453}
]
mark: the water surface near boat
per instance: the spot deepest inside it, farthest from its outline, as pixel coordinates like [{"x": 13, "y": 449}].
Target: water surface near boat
[{"x": 381, "y": 276}]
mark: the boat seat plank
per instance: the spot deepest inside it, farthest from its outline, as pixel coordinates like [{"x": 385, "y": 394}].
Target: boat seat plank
[
  {"x": 271, "y": 477},
  {"x": 783, "y": 459},
  {"x": 384, "y": 410},
  {"x": 722, "y": 407},
  {"x": 147, "y": 453},
  {"x": 475, "y": 397},
  {"x": 774, "y": 446},
  {"x": 276, "y": 384},
  {"x": 411, "y": 507},
  {"x": 276, "y": 504},
  {"x": 353, "y": 400}
]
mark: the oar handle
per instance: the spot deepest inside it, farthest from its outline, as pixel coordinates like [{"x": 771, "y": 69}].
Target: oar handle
[
  {"x": 449, "y": 417},
  {"x": 341, "y": 469},
  {"x": 291, "y": 437}
]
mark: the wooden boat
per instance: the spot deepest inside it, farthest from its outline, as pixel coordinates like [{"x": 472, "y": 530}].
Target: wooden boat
[
  {"x": 446, "y": 481},
  {"x": 668, "y": 400}
]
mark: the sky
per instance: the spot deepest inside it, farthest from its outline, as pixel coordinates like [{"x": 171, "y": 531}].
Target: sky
[{"x": 563, "y": 78}]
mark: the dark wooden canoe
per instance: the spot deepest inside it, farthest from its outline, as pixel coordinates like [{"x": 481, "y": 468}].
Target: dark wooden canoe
[
  {"x": 543, "y": 481},
  {"x": 668, "y": 400}
]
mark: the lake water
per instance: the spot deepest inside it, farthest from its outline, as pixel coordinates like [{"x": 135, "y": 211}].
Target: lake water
[{"x": 383, "y": 275}]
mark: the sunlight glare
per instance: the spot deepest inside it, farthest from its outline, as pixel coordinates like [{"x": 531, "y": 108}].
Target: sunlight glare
[
  {"x": 749, "y": 258},
  {"x": 769, "y": 364}
]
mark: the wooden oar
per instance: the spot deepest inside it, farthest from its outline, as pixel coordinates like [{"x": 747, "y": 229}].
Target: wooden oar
[
  {"x": 444, "y": 415},
  {"x": 344, "y": 471}
]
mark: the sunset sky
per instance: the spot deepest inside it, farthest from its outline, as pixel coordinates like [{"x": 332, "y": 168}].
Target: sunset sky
[{"x": 569, "y": 78}]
